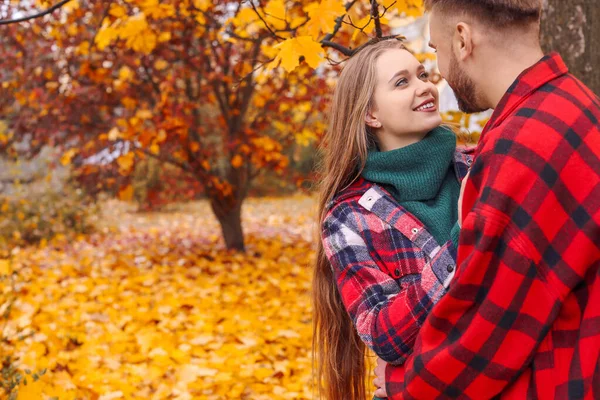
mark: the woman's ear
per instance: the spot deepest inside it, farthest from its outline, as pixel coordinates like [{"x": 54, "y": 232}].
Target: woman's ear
[{"x": 372, "y": 121}]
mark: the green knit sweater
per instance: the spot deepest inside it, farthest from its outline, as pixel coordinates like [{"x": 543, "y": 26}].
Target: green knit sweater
[{"x": 421, "y": 178}]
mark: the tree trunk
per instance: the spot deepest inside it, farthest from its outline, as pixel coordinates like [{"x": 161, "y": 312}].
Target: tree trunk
[
  {"x": 572, "y": 28},
  {"x": 228, "y": 208},
  {"x": 230, "y": 219}
]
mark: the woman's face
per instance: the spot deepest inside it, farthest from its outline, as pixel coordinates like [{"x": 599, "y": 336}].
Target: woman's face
[{"x": 406, "y": 102}]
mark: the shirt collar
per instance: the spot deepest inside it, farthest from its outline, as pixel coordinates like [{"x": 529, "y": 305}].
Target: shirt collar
[{"x": 547, "y": 69}]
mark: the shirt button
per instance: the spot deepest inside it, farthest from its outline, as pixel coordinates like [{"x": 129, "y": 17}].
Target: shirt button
[
  {"x": 450, "y": 268},
  {"x": 469, "y": 162},
  {"x": 397, "y": 271},
  {"x": 415, "y": 231}
]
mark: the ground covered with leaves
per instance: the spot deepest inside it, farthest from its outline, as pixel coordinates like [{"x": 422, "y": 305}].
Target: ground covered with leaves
[{"x": 154, "y": 308}]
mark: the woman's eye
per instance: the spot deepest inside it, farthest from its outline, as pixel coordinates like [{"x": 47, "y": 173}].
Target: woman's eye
[
  {"x": 425, "y": 75},
  {"x": 401, "y": 82}
]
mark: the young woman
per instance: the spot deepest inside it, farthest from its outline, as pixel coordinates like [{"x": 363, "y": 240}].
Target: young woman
[{"x": 388, "y": 216}]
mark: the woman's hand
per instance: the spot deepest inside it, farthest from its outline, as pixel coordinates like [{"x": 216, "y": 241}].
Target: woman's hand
[{"x": 379, "y": 380}]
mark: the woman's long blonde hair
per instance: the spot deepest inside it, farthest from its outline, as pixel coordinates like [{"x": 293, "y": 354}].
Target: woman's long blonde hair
[{"x": 340, "y": 362}]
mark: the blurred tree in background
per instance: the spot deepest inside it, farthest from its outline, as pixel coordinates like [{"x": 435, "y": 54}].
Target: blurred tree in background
[{"x": 219, "y": 90}]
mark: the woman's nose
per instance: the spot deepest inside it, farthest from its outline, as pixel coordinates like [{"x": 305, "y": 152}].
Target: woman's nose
[{"x": 425, "y": 88}]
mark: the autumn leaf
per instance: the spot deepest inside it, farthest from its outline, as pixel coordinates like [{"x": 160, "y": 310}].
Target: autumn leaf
[
  {"x": 125, "y": 162},
  {"x": 126, "y": 193},
  {"x": 138, "y": 35},
  {"x": 237, "y": 161},
  {"x": 291, "y": 50},
  {"x": 161, "y": 65},
  {"x": 409, "y": 8},
  {"x": 322, "y": 16},
  {"x": 276, "y": 14},
  {"x": 68, "y": 156},
  {"x": 4, "y": 267}
]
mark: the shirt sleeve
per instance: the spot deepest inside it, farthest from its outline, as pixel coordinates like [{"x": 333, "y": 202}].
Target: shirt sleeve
[{"x": 387, "y": 316}]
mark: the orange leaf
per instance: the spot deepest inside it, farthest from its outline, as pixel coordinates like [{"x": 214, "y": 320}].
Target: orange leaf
[
  {"x": 237, "y": 161},
  {"x": 126, "y": 193}
]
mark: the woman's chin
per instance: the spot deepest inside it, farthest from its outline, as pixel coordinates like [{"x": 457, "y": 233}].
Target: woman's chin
[{"x": 432, "y": 122}]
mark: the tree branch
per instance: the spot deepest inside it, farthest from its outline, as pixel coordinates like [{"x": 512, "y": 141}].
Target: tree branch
[
  {"x": 375, "y": 15},
  {"x": 342, "y": 49},
  {"x": 338, "y": 22},
  {"x": 38, "y": 15},
  {"x": 265, "y": 22}
]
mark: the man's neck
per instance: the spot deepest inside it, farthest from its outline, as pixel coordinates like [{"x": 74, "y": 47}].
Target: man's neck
[{"x": 507, "y": 69}]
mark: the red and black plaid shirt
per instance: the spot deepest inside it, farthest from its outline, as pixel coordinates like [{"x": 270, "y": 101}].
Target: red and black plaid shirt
[{"x": 522, "y": 315}]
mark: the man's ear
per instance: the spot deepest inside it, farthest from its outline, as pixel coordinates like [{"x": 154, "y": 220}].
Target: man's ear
[{"x": 463, "y": 41}]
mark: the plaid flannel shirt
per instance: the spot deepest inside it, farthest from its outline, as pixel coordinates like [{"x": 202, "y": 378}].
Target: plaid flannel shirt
[
  {"x": 389, "y": 268},
  {"x": 522, "y": 316}
]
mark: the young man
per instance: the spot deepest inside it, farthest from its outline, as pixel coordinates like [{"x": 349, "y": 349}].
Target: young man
[{"x": 522, "y": 315}]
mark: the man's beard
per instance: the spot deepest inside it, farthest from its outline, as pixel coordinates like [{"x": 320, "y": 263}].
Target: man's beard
[{"x": 464, "y": 88}]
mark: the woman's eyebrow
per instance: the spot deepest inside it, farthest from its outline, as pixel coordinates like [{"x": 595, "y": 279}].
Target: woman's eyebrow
[
  {"x": 405, "y": 72},
  {"x": 397, "y": 74}
]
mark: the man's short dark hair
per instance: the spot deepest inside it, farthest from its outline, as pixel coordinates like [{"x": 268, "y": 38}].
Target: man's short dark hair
[{"x": 498, "y": 13}]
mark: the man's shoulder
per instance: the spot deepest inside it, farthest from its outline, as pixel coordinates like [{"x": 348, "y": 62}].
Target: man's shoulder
[{"x": 563, "y": 106}]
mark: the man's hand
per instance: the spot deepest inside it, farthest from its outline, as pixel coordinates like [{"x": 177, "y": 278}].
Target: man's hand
[
  {"x": 379, "y": 380},
  {"x": 460, "y": 198}
]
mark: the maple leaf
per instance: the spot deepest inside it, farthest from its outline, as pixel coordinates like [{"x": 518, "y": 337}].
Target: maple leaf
[
  {"x": 292, "y": 49},
  {"x": 138, "y": 35},
  {"x": 276, "y": 14},
  {"x": 322, "y": 16}
]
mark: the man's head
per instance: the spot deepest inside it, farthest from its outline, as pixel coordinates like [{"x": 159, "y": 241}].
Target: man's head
[{"x": 469, "y": 36}]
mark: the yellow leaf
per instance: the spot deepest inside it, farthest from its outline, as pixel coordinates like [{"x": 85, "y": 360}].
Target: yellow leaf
[
  {"x": 262, "y": 373},
  {"x": 68, "y": 156},
  {"x": 323, "y": 15},
  {"x": 247, "y": 20},
  {"x": 126, "y": 194},
  {"x": 161, "y": 65},
  {"x": 4, "y": 267},
  {"x": 410, "y": 8},
  {"x": 276, "y": 13},
  {"x": 31, "y": 391},
  {"x": 106, "y": 36},
  {"x": 138, "y": 34},
  {"x": 291, "y": 50},
  {"x": 72, "y": 30},
  {"x": 125, "y": 73},
  {"x": 117, "y": 11},
  {"x": 202, "y": 5},
  {"x": 164, "y": 37},
  {"x": 126, "y": 162}
]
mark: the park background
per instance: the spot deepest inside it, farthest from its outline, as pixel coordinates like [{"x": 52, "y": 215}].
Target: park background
[{"x": 157, "y": 181}]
